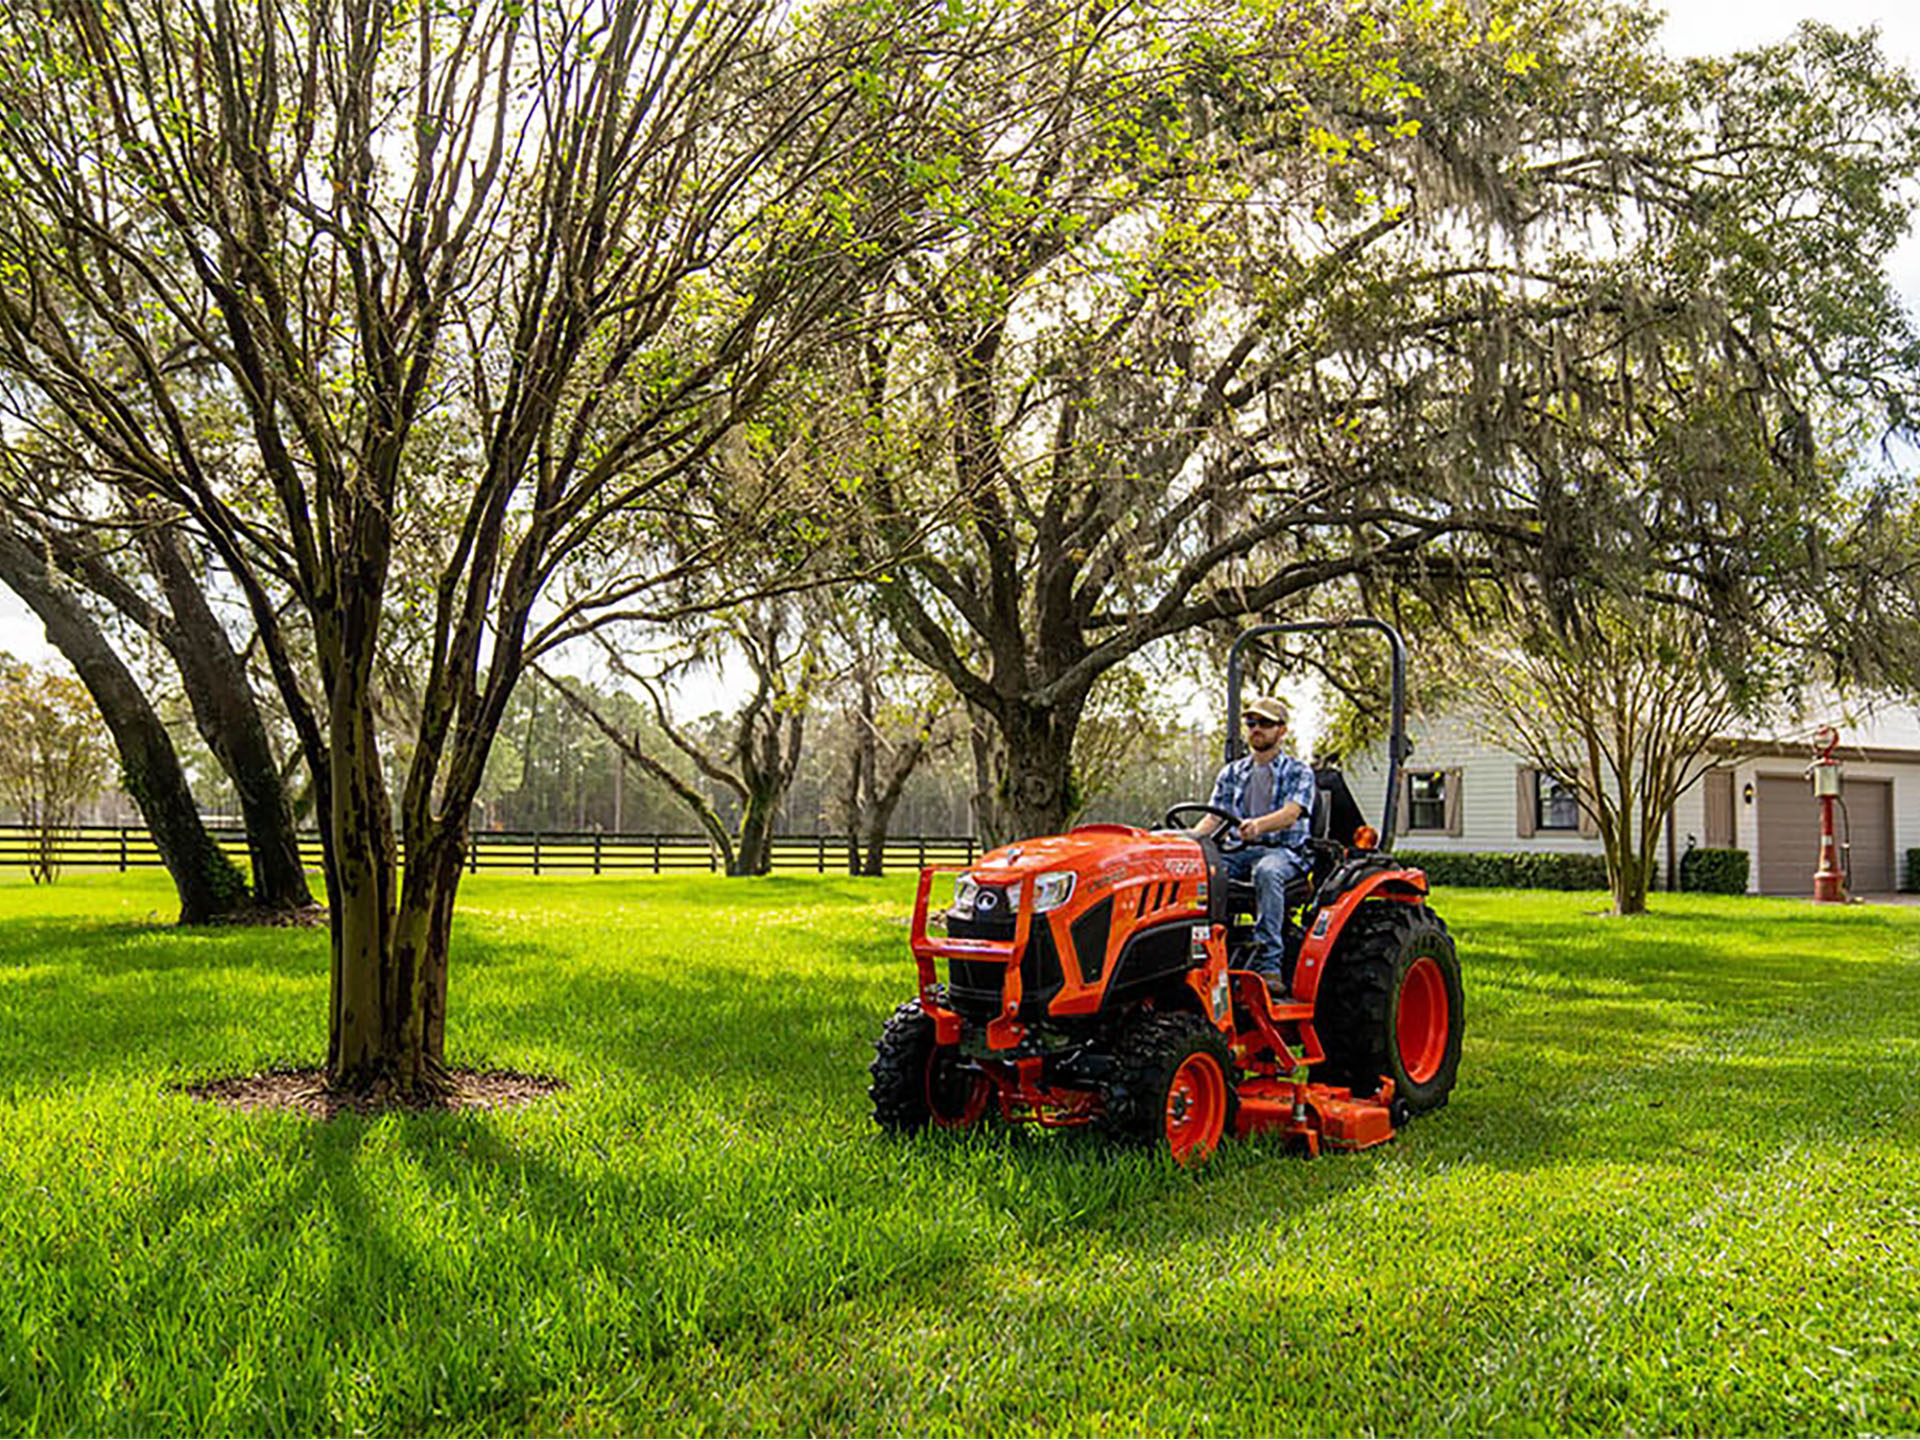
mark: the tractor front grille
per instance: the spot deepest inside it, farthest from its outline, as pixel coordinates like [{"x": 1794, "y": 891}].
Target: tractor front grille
[
  {"x": 991, "y": 918},
  {"x": 975, "y": 987}
]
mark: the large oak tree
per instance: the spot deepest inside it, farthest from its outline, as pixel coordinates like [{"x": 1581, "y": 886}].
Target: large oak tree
[
  {"x": 1253, "y": 314},
  {"x": 473, "y": 288}
]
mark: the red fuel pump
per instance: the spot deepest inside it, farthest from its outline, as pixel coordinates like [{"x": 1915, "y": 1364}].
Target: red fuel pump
[{"x": 1828, "y": 881}]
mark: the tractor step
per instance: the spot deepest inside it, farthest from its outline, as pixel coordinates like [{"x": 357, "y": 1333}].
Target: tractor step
[{"x": 1256, "y": 992}]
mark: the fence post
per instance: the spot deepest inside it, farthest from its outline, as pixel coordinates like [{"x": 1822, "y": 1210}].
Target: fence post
[
  {"x": 123, "y": 849},
  {"x": 822, "y": 867},
  {"x": 923, "y": 852},
  {"x": 969, "y": 849},
  {"x": 596, "y": 852},
  {"x": 473, "y": 853},
  {"x": 656, "y": 854},
  {"x": 713, "y": 859},
  {"x": 536, "y": 852}
]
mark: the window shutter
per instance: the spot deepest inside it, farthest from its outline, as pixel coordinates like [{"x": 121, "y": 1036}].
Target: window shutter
[
  {"x": 1453, "y": 802},
  {"x": 1588, "y": 826},
  {"x": 1524, "y": 815},
  {"x": 1719, "y": 797}
]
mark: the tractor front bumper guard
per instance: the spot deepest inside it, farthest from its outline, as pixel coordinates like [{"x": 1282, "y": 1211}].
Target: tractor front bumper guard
[{"x": 1004, "y": 1031}]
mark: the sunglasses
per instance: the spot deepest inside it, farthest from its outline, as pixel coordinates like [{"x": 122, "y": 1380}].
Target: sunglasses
[{"x": 1259, "y": 722}]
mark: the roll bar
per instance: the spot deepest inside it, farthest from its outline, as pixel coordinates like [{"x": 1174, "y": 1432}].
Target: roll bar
[{"x": 1397, "y": 747}]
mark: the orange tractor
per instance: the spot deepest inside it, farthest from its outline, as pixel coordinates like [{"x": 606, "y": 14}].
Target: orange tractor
[{"x": 1102, "y": 977}]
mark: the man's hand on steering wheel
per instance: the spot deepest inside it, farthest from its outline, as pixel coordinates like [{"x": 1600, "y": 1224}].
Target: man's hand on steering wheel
[{"x": 1228, "y": 837}]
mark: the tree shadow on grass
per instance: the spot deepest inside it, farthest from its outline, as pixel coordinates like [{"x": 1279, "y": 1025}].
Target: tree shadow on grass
[
  {"x": 458, "y": 1272},
  {"x": 115, "y": 946},
  {"x": 516, "y": 1255}
]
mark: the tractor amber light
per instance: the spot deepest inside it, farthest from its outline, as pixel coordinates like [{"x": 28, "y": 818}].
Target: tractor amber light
[{"x": 1366, "y": 838}]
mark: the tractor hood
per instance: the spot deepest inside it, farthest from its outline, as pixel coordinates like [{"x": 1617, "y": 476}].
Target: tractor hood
[{"x": 1107, "y": 853}]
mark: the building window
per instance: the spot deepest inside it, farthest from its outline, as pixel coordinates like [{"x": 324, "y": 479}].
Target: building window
[
  {"x": 1555, "y": 806},
  {"x": 1427, "y": 800}
]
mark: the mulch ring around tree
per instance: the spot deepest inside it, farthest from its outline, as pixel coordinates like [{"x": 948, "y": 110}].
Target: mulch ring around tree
[
  {"x": 305, "y": 1092},
  {"x": 307, "y": 917}
]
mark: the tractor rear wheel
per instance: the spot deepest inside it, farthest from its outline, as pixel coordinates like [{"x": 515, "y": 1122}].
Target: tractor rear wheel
[
  {"x": 1391, "y": 1005},
  {"x": 919, "y": 1082},
  {"x": 1172, "y": 1088}
]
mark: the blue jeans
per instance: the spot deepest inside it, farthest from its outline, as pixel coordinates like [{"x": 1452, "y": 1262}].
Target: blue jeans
[{"x": 1271, "y": 868}]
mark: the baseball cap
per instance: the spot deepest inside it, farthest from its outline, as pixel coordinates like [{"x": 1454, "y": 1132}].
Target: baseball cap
[{"x": 1267, "y": 707}]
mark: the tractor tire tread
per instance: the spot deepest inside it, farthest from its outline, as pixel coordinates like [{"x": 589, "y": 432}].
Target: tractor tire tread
[
  {"x": 1355, "y": 1013},
  {"x": 899, "y": 1068},
  {"x": 1152, "y": 1049}
]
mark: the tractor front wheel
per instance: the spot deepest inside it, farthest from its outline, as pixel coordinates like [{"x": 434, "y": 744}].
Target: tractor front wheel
[
  {"x": 1172, "y": 1088},
  {"x": 1391, "y": 1005},
  {"x": 919, "y": 1082}
]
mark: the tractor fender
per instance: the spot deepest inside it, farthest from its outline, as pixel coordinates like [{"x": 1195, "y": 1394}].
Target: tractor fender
[{"x": 1408, "y": 886}]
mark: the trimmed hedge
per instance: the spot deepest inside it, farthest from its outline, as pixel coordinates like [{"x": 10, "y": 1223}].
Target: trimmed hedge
[
  {"x": 1913, "y": 871},
  {"x": 1536, "y": 870},
  {"x": 1714, "y": 872}
]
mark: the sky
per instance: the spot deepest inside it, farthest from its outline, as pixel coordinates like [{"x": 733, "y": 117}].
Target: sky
[{"x": 1700, "y": 27}]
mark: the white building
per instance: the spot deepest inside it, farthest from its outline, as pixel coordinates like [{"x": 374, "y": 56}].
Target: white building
[{"x": 1459, "y": 792}]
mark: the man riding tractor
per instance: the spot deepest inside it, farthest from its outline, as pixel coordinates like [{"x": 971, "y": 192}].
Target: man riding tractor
[
  {"x": 1273, "y": 794},
  {"x": 1133, "y": 978}
]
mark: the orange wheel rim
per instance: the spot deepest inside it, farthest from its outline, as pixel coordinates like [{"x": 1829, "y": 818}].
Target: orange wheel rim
[
  {"x": 1196, "y": 1108},
  {"x": 1421, "y": 1028}
]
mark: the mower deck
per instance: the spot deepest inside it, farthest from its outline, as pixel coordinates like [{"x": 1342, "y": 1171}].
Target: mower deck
[{"x": 1315, "y": 1115}]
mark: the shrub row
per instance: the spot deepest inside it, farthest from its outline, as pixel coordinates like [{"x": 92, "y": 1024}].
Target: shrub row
[
  {"x": 1714, "y": 872},
  {"x": 1535, "y": 871}
]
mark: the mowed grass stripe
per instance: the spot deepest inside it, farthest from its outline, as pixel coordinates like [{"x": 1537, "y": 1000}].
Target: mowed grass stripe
[{"x": 1674, "y": 1192}]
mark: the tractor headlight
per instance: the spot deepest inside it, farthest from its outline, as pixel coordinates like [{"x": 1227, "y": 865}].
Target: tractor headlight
[
  {"x": 964, "y": 889},
  {"x": 1051, "y": 891}
]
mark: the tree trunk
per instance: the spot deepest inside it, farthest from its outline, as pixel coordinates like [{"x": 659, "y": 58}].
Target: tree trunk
[
  {"x": 229, "y": 721},
  {"x": 754, "y": 854},
  {"x": 389, "y": 945},
  {"x": 1630, "y": 896},
  {"x": 987, "y": 750},
  {"x": 852, "y": 810},
  {"x": 1035, "y": 793},
  {"x": 881, "y": 806},
  {"x": 1626, "y": 864},
  {"x": 855, "y": 800},
  {"x": 208, "y": 883},
  {"x": 874, "y": 859},
  {"x": 422, "y": 941}
]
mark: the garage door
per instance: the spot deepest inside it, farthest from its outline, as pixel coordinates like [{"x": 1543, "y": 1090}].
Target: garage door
[
  {"x": 1789, "y": 827},
  {"x": 1870, "y": 818}
]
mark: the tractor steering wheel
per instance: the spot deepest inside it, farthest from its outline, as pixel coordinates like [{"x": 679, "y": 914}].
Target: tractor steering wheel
[{"x": 1227, "y": 838}]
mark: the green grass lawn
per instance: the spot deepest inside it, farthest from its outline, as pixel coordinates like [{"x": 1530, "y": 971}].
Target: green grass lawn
[{"x": 1677, "y": 1190}]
